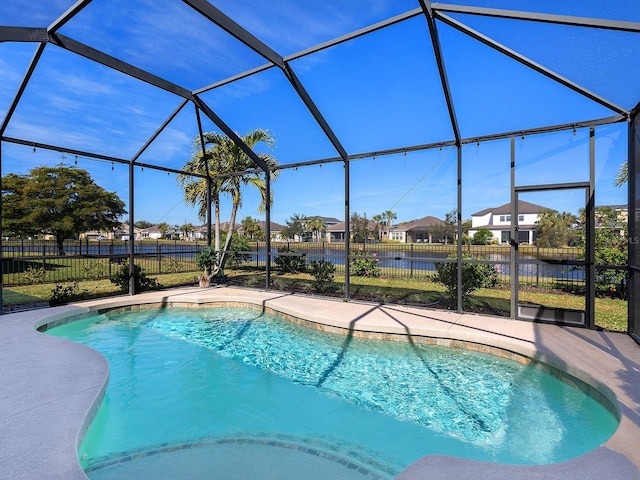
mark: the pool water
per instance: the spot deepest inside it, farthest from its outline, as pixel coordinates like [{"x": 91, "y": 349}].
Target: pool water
[{"x": 187, "y": 383}]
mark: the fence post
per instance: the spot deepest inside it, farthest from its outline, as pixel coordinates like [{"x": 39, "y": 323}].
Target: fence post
[
  {"x": 44, "y": 254},
  {"x": 159, "y": 256},
  {"x": 411, "y": 262},
  {"x": 110, "y": 258},
  {"x": 258, "y": 255},
  {"x": 537, "y": 265}
]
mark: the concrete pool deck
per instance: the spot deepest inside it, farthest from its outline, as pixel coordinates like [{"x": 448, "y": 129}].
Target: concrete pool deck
[{"x": 50, "y": 387}]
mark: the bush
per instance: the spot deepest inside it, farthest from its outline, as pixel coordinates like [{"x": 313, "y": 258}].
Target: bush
[
  {"x": 35, "y": 275},
  {"x": 206, "y": 258},
  {"x": 482, "y": 237},
  {"x": 364, "y": 267},
  {"x": 474, "y": 276},
  {"x": 140, "y": 280},
  {"x": 63, "y": 293},
  {"x": 322, "y": 272},
  {"x": 290, "y": 263},
  {"x": 239, "y": 243}
]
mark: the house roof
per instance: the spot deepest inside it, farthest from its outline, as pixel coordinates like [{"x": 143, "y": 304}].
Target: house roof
[
  {"x": 523, "y": 207},
  {"x": 275, "y": 227},
  {"x": 326, "y": 220},
  {"x": 424, "y": 222},
  {"x": 339, "y": 227}
]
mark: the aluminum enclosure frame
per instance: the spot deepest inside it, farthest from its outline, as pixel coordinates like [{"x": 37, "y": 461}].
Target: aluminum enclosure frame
[{"x": 433, "y": 14}]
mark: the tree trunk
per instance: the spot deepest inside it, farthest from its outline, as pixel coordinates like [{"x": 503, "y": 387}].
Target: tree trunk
[
  {"x": 216, "y": 244},
  {"x": 222, "y": 259},
  {"x": 60, "y": 243}
]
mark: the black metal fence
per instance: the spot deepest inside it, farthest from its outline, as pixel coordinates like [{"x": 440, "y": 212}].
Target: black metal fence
[{"x": 27, "y": 262}]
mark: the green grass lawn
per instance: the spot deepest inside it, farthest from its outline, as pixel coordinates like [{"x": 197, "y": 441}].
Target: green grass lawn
[{"x": 611, "y": 314}]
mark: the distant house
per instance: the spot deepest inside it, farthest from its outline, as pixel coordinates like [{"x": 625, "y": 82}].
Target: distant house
[
  {"x": 336, "y": 232},
  {"x": 152, "y": 233},
  {"x": 275, "y": 229},
  {"x": 119, "y": 233},
  {"x": 498, "y": 221},
  {"x": 421, "y": 230}
]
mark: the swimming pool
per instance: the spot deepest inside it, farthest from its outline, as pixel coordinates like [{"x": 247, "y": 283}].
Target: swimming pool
[{"x": 191, "y": 386}]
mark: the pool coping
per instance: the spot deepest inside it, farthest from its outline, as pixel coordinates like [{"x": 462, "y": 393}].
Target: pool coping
[{"x": 52, "y": 387}]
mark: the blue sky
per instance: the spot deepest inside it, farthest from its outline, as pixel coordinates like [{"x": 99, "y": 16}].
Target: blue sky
[{"x": 377, "y": 92}]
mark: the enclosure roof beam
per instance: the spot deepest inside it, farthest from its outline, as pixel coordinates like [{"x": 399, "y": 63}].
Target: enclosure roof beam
[
  {"x": 437, "y": 50},
  {"x": 94, "y": 156},
  {"x": 23, "y": 34},
  {"x": 68, "y": 15},
  {"x": 22, "y": 87},
  {"x": 231, "y": 27},
  {"x": 541, "y": 17},
  {"x": 315, "y": 112},
  {"x": 463, "y": 141},
  {"x": 119, "y": 65},
  {"x": 530, "y": 63},
  {"x": 244, "y": 36},
  {"x": 160, "y": 129},
  {"x": 229, "y": 132},
  {"x": 317, "y": 48}
]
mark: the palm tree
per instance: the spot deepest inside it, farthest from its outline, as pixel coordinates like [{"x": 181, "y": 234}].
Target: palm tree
[
  {"x": 379, "y": 219},
  {"x": 317, "y": 227},
  {"x": 222, "y": 156},
  {"x": 623, "y": 175},
  {"x": 389, "y": 216}
]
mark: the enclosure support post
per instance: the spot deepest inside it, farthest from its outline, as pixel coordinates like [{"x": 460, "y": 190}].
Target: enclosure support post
[
  {"x": 267, "y": 227},
  {"x": 132, "y": 283},
  {"x": 347, "y": 230},
  {"x": 513, "y": 265},
  {"x": 1, "y": 242},
  {"x": 208, "y": 211},
  {"x": 633, "y": 165},
  {"x": 590, "y": 250},
  {"x": 459, "y": 226}
]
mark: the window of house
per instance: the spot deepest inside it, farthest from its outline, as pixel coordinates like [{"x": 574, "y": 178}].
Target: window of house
[{"x": 521, "y": 218}]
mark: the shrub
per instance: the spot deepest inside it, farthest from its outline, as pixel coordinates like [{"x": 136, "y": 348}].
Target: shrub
[
  {"x": 63, "y": 293},
  {"x": 35, "y": 275},
  {"x": 92, "y": 270},
  {"x": 171, "y": 265},
  {"x": 239, "y": 243},
  {"x": 364, "y": 267},
  {"x": 206, "y": 258},
  {"x": 289, "y": 262},
  {"x": 474, "y": 276},
  {"x": 140, "y": 280},
  {"x": 322, "y": 272}
]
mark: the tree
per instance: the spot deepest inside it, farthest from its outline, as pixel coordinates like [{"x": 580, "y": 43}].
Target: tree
[
  {"x": 390, "y": 217},
  {"x": 60, "y": 201},
  {"x": 360, "y": 230},
  {"x": 379, "y": 221},
  {"x": 295, "y": 227},
  {"x": 553, "y": 228},
  {"x": 316, "y": 226},
  {"x": 448, "y": 229},
  {"x": 186, "y": 229},
  {"x": 622, "y": 176},
  {"x": 142, "y": 224},
  {"x": 483, "y": 236},
  {"x": 223, "y": 157},
  {"x": 611, "y": 248},
  {"x": 163, "y": 228},
  {"x": 252, "y": 229}
]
